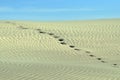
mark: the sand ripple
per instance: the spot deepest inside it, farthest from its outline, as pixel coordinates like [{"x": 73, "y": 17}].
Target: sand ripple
[{"x": 84, "y": 50}]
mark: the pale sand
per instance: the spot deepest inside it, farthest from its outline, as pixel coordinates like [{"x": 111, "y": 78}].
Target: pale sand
[{"x": 73, "y": 50}]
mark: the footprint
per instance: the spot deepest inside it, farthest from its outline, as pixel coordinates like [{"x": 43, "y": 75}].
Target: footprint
[
  {"x": 63, "y": 43},
  {"x": 77, "y": 49},
  {"x": 7, "y": 22},
  {"x": 103, "y": 61},
  {"x": 56, "y": 36},
  {"x": 115, "y": 64},
  {"x": 38, "y": 29},
  {"x": 71, "y": 46},
  {"x": 99, "y": 59},
  {"x": 42, "y": 32},
  {"x": 51, "y": 33},
  {"x": 92, "y": 55},
  {"x": 87, "y": 51},
  {"x": 22, "y": 27},
  {"x": 14, "y": 23},
  {"x": 61, "y": 39}
]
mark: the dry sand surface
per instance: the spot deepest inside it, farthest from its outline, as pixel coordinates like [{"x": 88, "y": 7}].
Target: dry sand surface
[{"x": 71, "y": 50}]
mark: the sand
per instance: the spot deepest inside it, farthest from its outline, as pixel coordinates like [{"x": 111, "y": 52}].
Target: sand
[{"x": 69, "y": 50}]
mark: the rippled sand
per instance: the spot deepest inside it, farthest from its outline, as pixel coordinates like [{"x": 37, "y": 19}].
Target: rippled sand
[{"x": 73, "y": 50}]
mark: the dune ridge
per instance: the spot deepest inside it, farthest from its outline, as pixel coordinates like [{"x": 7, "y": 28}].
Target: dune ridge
[{"x": 84, "y": 50}]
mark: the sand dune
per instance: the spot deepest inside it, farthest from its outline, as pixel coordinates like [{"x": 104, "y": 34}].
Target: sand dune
[{"x": 71, "y": 50}]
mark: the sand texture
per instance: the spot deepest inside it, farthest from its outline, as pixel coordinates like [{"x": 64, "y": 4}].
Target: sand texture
[{"x": 70, "y": 50}]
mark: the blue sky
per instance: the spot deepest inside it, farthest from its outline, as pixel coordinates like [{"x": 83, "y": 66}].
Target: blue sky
[{"x": 59, "y": 9}]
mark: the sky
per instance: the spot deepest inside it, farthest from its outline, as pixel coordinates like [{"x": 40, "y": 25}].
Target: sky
[{"x": 54, "y": 10}]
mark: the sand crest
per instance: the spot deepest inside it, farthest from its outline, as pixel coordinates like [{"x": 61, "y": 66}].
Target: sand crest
[{"x": 73, "y": 50}]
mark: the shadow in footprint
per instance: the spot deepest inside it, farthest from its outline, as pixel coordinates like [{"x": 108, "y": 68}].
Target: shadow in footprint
[
  {"x": 103, "y": 61},
  {"x": 92, "y": 55},
  {"x": 42, "y": 32},
  {"x": 77, "y": 49},
  {"x": 51, "y": 33},
  {"x": 63, "y": 43},
  {"x": 99, "y": 59},
  {"x": 115, "y": 64},
  {"x": 71, "y": 46},
  {"x": 61, "y": 39}
]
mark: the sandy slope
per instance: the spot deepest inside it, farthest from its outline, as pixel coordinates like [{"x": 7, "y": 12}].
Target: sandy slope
[{"x": 76, "y": 50}]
